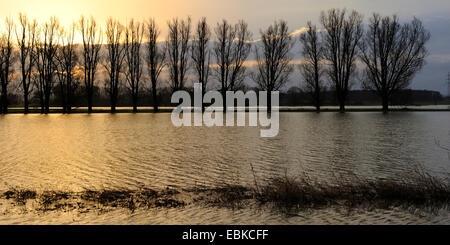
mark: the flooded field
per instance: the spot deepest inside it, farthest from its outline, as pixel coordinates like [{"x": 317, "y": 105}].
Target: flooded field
[{"x": 80, "y": 152}]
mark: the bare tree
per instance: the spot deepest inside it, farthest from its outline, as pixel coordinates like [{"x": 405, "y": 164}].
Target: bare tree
[
  {"x": 67, "y": 61},
  {"x": 155, "y": 59},
  {"x": 114, "y": 59},
  {"x": 225, "y": 34},
  {"x": 342, "y": 35},
  {"x": 392, "y": 53},
  {"x": 134, "y": 34},
  {"x": 201, "y": 54},
  {"x": 26, "y": 39},
  {"x": 92, "y": 39},
  {"x": 312, "y": 68},
  {"x": 6, "y": 62},
  {"x": 232, "y": 47},
  {"x": 178, "y": 51},
  {"x": 46, "y": 51},
  {"x": 273, "y": 57}
]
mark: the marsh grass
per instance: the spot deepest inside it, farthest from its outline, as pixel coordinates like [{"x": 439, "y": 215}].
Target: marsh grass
[
  {"x": 95, "y": 199},
  {"x": 229, "y": 196},
  {"x": 20, "y": 196},
  {"x": 133, "y": 199},
  {"x": 417, "y": 189}
]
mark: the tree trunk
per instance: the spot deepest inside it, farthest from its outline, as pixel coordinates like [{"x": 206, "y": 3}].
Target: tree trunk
[
  {"x": 89, "y": 102},
  {"x": 41, "y": 98},
  {"x": 269, "y": 101},
  {"x": 69, "y": 102},
  {"x": 341, "y": 106},
  {"x": 203, "y": 96},
  {"x": 385, "y": 102},
  {"x": 47, "y": 104},
  {"x": 341, "y": 100},
  {"x": 224, "y": 100},
  {"x": 317, "y": 86},
  {"x": 317, "y": 100},
  {"x": 4, "y": 99},
  {"x": 63, "y": 100},
  {"x": 134, "y": 103},
  {"x": 25, "y": 103},
  {"x": 317, "y": 108},
  {"x": 113, "y": 105},
  {"x": 155, "y": 99}
]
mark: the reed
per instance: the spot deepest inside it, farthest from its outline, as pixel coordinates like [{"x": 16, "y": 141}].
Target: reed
[{"x": 417, "y": 189}]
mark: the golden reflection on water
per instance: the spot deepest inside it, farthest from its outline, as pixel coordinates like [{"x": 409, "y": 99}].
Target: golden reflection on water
[
  {"x": 129, "y": 151},
  {"x": 75, "y": 152}
]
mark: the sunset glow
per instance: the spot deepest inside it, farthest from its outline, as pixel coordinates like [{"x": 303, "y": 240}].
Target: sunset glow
[{"x": 257, "y": 13}]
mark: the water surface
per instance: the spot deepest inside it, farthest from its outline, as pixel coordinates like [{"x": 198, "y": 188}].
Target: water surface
[{"x": 103, "y": 151}]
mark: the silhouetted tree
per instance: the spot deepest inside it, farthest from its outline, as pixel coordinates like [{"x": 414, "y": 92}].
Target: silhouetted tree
[
  {"x": 67, "y": 61},
  {"x": 114, "y": 59},
  {"x": 342, "y": 34},
  {"x": 273, "y": 57},
  {"x": 178, "y": 51},
  {"x": 6, "y": 62},
  {"x": 201, "y": 54},
  {"x": 225, "y": 34},
  {"x": 46, "y": 51},
  {"x": 312, "y": 68},
  {"x": 231, "y": 50},
  {"x": 92, "y": 39},
  {"x": 26, "y": 39},
  {"x": 392, "y": 53},
  {"x": 155, "y": 59},
  {"x": 133, "y": 42}
]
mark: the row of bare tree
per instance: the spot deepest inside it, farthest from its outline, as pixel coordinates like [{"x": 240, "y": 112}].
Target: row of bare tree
[
  {"x": 50, "y": 61},
  {"x": 389, "y": 53}
]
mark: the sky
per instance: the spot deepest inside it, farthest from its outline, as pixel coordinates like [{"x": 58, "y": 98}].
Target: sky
[{"x": 259, "y": 14}]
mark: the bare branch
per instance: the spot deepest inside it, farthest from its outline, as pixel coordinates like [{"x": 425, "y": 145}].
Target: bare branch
[
  {"x": 342, "y": 36},
  {"x": 114, "y": 59},
  {"x": 178, "y": 51},
  {"x": 92, "y": 38},
  {"x": 155, "y": 58},
  {"x": 392, "y": 54},
  {"x": 313, "y": 68},
  {"x": 133, "y": 42}
]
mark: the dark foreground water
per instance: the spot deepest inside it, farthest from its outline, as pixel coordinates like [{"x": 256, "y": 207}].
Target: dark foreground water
[{"x": 130, "y": 151}]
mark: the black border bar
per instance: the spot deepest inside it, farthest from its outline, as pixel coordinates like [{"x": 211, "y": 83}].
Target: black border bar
[{"x": 275, "y": 234}]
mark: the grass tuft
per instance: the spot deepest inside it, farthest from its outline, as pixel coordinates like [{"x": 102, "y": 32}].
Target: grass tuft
[{"x": 417, "y": 189}]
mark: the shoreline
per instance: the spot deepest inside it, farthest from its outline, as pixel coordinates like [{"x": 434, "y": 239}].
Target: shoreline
[{"x": 169, "y": 110}]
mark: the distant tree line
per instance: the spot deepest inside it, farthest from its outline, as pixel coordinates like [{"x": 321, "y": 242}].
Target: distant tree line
[
  {"x": 357, "y": 97},
  {"x": 46, "y": 65}
]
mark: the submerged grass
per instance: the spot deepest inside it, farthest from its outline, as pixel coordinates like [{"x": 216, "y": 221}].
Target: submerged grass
[
  {"x": 417, "y": 189},
  {"x": 20, "y": 196},
  {"x": 95, "y": 199}
]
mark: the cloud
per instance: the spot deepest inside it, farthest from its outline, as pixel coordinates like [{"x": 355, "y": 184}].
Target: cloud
[
  {"x": 298, "y": 32},
  {"x": 295, "y": 33},
  {"x": 439, "y": 58}
]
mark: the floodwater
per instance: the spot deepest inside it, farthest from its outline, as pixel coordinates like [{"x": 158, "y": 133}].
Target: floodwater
[{"x": 129, "y": 151}]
